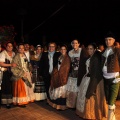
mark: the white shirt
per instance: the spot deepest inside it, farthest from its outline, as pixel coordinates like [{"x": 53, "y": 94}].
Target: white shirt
[
  {"x": 4, "y": 55},
  {"x": 27, "y": 53}
]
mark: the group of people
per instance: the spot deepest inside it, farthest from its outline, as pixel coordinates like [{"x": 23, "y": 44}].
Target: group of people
[
  {"x": 20, "y": 82},
  {"x": 84, "y": 79}
]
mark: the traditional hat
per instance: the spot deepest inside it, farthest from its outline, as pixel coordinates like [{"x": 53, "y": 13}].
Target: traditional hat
[
  {"x": 109, "y": 34},
  {"x": 38, "y": 46}
]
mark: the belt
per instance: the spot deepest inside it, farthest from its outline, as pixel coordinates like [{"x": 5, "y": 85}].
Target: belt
[{"x": 108, "y": 81}]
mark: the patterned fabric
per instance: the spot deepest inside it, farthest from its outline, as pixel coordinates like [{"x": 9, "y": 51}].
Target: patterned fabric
[
  {"x": 37, "y": 80},
  {"x": 18, "y": 71},
  {"x": 72, "y": 84},
  {"x": 82, "y": 93},
  {"x": 22, "y": 94},
  {"x": 71, "y": 99},
  {"x": 57, "y": 90},
  {"x": 60, "y": 73},
  {"x": 83, "y": 89},
  {"x": 39, "y": 87},
  {"x": 72, "y": 88}
]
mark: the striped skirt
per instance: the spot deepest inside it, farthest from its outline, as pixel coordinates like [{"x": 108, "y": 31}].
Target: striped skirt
[{"x": 39, "y": 90}]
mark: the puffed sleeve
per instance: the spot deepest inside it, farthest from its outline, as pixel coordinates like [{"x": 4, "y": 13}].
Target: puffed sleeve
[{"x": 2, "y": 57}]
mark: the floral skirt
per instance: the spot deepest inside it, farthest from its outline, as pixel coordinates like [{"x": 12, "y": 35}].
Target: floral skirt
[
  {"x": 72, "y": 91},
  {"x": 58, "y": 97}
]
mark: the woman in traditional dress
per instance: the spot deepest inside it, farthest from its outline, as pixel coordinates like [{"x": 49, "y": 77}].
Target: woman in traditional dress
[
  {"x": 72, "y": 88},
  {"x": 38, "y": 83},
  {"x": 59, "y": 79},
  {"x": 91, "y": 103},
  {"x": 22, "y": 84},
  {"x": 6, "y": 57}
]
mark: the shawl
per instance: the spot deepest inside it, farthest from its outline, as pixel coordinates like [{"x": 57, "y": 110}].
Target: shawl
[
  {"x": 95, "y": 72},
  {"x": 60, "y": 77},
  {"x": 18, "y": 71}
]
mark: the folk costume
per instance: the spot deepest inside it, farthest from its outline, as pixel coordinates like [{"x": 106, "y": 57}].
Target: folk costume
[
  {"x": 111, "y": 69},
  {"x": 37, "y": 80},
  {"x": 72, "y": 88},
  {"x": 91, "y": 103},
  {"x": 22, "y": 86},
  {"x": 58, "y": 85},
  {"x": 6, "y": 83}
]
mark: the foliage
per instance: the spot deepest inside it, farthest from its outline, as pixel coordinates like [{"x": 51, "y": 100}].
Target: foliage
[{"x": 7, "y": 33}]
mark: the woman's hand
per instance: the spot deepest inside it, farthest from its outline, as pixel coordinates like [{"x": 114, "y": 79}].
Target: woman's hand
[
  {"x": 13, "y": 64},
  {"x": 25, "y": 75}
]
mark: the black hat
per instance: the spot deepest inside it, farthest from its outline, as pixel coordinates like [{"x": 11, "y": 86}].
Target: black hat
[{"x": 109, "y": 34}]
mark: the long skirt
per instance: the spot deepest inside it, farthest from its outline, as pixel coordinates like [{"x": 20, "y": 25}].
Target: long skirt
[
  {"x": 58, "y": 98},
  {"x": 22, "y": 94},
  {"x": 39, "y": 90},
  {"x": 72, "y": 91},
  {"x": 93, "y": 108},
  {"x": 6, "y": 88}
]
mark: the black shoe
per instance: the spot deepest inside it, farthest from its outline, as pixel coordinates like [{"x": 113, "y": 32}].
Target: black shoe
[{"x": 8, "y": 106}]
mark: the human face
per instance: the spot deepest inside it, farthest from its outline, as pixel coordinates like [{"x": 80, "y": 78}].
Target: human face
[
  {"x": 21, "y": 49},
  {"x": 101, "y": 47},
  {"x": 63, "y": 50},
  {"x": 51, "y": 47},
  {"x": 38, "y": 50},
  {"x": 75, "y": 44},
  {"x": 109, "y": 41},
  {"x": 90, "y": 50},
  {"x": 9, "y": 47},
  {"x": 27, "y": 47},
  {"x": 31, "y": 47}
]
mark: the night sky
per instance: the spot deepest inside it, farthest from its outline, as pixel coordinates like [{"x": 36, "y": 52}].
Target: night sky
[{"x": 62, "y": 20}]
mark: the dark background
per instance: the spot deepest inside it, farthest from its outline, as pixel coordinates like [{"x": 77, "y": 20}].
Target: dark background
[{"x": 61, "y": 20}]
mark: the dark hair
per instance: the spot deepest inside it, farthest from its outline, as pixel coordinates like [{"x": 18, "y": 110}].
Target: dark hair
[
  {"x": 64, "y": 46},
  {"x": 76, "y": 40},
  {"x": 52, "y": 43},
  {"x": 94, "y": 45},
  {"x": 20, "y": 44},
  {"x": 9, "y": 42}
]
